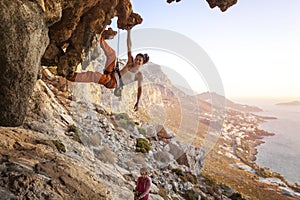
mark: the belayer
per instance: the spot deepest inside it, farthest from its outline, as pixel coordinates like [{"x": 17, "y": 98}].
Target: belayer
[
  {"x": 143, "y": 185},
  {"x": 112, "y": 76}
]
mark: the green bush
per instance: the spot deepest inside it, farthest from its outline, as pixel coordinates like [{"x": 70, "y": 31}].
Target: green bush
[
  {"x": 210, "y": 180},
  {"x": 163, "y": 193},
  {"x": 190, "y": 195},
  {"x": 192, "y": 178},
  {"x": 185, "y": 176},
  {"x": 125, "y": 123},
  {"x": 177, "y": 171},
  {"x": 122, "y": 116},
  {"x": 142, "y": 131},
  {"x": 76, "y": 137},
  {"x": 124, "y": 120},
  {"x": 75, "y": 130},
  {"x": 180, "y": 174},
  {"x": 142, "y": 145},
  {"x": 59, "y": 146}
]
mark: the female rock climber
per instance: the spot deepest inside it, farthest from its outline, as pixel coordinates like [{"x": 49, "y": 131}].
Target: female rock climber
[{"x": 110, "y": 79}]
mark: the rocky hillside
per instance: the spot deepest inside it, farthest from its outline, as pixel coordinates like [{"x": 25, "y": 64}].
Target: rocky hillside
[{"x": 72, "y": 148}]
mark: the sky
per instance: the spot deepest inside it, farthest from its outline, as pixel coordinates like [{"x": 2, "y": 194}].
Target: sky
[{"x": 254, "y": 45}]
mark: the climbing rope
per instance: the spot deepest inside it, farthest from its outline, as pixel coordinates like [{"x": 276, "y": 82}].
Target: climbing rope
[{"x": 118, "y": 89}]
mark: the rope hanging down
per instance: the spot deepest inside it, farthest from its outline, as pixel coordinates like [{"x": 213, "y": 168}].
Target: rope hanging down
[{"x": 118, "y": 89}]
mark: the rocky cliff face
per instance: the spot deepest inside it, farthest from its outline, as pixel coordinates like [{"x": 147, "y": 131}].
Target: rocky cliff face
[
  {"x": 56, "y": 33},
  {"x": 78, "y": 26},
  {"x": 23, "y": 39}
]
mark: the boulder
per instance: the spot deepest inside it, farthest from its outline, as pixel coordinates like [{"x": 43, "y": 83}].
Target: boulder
[
  {"x": 164, "y": 133},
  {"x": 190, "y": 156}
]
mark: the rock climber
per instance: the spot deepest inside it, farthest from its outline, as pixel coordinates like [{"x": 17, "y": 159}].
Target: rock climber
[{"x": 112, "y": 78}]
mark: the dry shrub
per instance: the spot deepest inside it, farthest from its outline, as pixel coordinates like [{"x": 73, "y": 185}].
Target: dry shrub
[
  {"x": 130, "y": 164},
  {"x": 105, "y": 155},
  {"x": 138, "y": 159},
  {"x": 95, "y": 139}
]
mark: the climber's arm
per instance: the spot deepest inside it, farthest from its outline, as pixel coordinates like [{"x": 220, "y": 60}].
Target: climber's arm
[
  {"x": 139, "y": 79},
  {"x": 129, "y": 46}
]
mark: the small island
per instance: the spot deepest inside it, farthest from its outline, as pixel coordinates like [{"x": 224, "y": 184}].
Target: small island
[{"x": 291, "y": 103}]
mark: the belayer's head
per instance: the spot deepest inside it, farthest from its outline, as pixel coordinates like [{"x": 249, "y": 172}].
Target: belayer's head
[
  {"x": 141, "y": 59},
  {"x": 144, "y": 171}
]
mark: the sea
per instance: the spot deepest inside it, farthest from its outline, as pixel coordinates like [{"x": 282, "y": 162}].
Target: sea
[{"x": 281, "y": 152}]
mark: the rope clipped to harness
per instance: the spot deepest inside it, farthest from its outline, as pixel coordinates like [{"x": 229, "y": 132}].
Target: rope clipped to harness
[{"x": 119, "y": 87}]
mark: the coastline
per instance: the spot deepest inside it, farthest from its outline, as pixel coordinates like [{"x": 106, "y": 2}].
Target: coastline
[
  {"x": 281, "y": 151},
  {"x": 257, "y": 140},
  {"x": 236, "y": 154}
]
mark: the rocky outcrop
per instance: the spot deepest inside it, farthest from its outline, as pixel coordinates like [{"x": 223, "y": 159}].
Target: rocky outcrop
[
  {"x": 23, "y": 34},
  {"x": 80, "y": 23},
  {"x": 32, "y": 168},
  {"x": 222, "y": 4},
  {"x": 72, "y": 25},
  {"x": 164, "y": 133}
]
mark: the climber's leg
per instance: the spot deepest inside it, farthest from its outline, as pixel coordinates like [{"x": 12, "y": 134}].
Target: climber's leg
[
  {"x": 110, "y": 56},
  {"x": 108, "y": 80}
]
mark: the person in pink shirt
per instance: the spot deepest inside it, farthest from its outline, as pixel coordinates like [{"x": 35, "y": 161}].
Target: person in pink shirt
[{"x": 143, "y": 186}]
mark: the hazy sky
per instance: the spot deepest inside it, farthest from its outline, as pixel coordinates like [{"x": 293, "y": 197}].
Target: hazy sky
[{"x": 254, "y": 45}]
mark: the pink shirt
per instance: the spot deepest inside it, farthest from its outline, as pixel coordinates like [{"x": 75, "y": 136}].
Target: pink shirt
[{"x": 143, "y": 185}]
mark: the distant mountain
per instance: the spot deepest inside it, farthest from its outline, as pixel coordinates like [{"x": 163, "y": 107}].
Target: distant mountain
[
  {"x": 189, "y": 99},
  {"x": 172, "y": 104},
  {"x": 186, "y": 90},
  {"x": 219, "y": 99},
  {"x": 291, "y": 103}
]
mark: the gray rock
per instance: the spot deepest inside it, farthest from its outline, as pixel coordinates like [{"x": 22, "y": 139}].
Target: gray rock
[
  {"x": 6, "y": 194},
  {"x": 24, "y": 38},
  {"x": 164, "y": 133}
]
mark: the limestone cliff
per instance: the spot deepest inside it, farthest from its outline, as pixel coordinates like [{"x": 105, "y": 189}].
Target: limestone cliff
[
  {"x": 80, "y": 22},
  {"x": 56, "y": 32},
  {"x": 23, "y": 39},
  {"x": 51, "y": 32}
]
